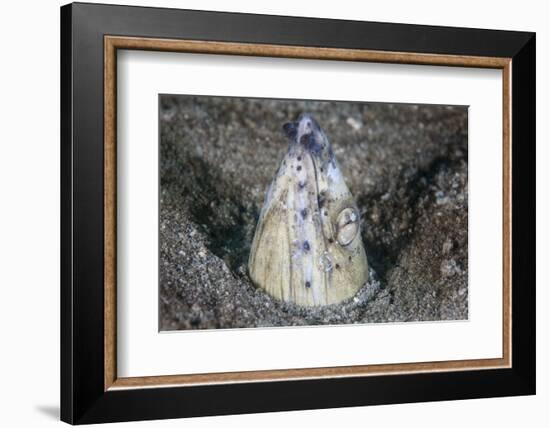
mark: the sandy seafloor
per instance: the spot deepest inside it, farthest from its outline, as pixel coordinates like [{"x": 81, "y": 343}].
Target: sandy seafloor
[{"x": 406, "y": 166}]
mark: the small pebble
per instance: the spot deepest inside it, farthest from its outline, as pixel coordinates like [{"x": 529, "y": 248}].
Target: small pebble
[
  {"x": 354, "y": 123},
  {"x": 447, "y": 246}
]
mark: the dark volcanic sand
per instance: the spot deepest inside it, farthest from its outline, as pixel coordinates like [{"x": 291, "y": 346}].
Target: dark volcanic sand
[{"x": 406, "y": 165}]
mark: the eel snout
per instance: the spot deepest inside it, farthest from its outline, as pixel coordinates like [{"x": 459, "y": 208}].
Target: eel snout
[{"x": 307, "y": 133}]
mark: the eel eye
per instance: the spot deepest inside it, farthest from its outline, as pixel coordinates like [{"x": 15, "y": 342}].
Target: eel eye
[{"x": 347, "y": 225}]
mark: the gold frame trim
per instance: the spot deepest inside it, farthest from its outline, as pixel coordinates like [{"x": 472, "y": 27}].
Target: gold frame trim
[{"x": 113, "y": 43}]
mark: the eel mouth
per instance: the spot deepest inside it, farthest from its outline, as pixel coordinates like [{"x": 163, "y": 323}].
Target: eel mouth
[{"x": 307, "y": 133}]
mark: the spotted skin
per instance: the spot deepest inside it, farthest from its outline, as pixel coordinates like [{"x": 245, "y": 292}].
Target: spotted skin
[{"x": 307, "y": 246}]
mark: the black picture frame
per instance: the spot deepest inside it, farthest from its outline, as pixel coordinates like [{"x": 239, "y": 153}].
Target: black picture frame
[{"x": 83, "y": 397}]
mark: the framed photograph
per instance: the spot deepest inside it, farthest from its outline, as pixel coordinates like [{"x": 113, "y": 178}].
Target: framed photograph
[{"x": 265, "y": 213}]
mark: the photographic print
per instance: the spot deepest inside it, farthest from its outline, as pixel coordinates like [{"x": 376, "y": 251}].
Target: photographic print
[
  {"x": 285, "y": 199},
  {"x": 280, "y": 212}
]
